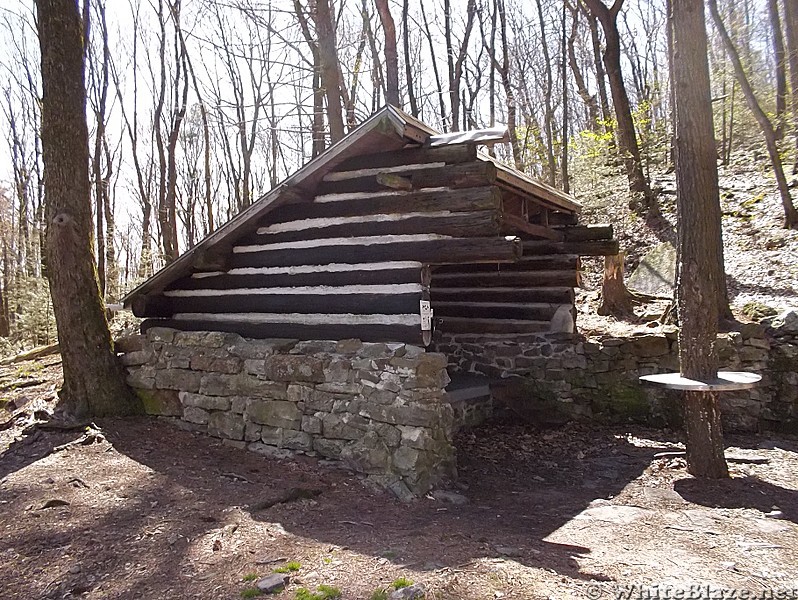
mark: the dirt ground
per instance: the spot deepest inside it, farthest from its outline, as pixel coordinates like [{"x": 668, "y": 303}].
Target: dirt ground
[{"x": 142, "y": 509}]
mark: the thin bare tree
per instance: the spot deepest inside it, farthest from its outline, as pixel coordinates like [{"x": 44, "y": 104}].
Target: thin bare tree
[
  {"x": 768, "y": 132},
  {"x": 643, "y": 200},
  {"x": 391, "y": 54}
]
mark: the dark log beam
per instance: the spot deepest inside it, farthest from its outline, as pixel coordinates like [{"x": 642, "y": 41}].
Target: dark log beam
[
  {"x": 466, "y": 200},
  {"x": 213, "y": 258},
  {"x": 411, "y": 156},
  {"x": 585, "y": 233},
  {"x": 510, "y": 295},
  {"x": 552, "y": 218},
  {"x": 513, "y": 224},
  {"x": 367, "y": 333},
  {"x": 446, "y": 251},
  {"x": 509, "y": 279},
  {"x": 554, "y": 262},
  {"x": 589, "y": 248},
  {"x": 152, "y": 305},
  {"x": 463, "y": 175},
  {"x": 484, "y": 223},
  {"x": 332, "y": 302},
  {"x": 497, "y": 310},
  {"x": 351, "y": 277},
  {"x": 502, "y": 326}
]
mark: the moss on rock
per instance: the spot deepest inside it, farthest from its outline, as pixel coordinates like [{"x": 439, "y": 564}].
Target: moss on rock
[{"x": 160, "y": 402}]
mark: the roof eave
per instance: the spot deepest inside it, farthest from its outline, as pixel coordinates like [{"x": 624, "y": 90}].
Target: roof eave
[{"x": 386, "y": 123}]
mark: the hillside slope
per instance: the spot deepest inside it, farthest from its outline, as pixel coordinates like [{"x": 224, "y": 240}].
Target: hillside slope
[{"x": 761, "y": 256}]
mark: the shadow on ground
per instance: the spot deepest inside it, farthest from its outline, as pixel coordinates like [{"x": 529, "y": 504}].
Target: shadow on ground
[
  {"x": 737, "y": 287},
  {"x": 522, "y": 485},
  {"x": 747, "y": 492},
  {"x": 149, "y": 509}
]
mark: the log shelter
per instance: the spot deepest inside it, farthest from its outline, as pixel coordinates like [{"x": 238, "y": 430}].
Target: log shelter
[{"x": 394, "y": 232}]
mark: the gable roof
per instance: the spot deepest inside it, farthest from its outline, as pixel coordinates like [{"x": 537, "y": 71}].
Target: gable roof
[{"x": 388, "y": 129}]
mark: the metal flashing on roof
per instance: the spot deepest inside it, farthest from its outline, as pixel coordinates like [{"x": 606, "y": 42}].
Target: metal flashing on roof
[{"x": 476, "y": 136}]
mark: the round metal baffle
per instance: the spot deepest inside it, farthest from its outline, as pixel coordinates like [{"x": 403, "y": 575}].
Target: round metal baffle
[{"x": 726, "y": 381}]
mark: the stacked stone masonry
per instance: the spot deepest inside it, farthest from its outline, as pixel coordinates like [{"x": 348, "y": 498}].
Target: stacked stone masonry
[
  {"x": 561, "y": 377},
  {"x": 383, "y": 410},
  {"x": 380, "y": 408}
]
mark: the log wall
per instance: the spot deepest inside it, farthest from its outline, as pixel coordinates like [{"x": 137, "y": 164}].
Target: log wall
[{"x": 355, "y": 260}]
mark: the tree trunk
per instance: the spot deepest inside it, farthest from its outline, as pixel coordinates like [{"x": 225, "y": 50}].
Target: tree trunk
[
  {"x": 698, "y": 277},
  {"x": 179, "y": 104},
  {"x": 781, "y": 70},
  {"x": 317, "y": 127},
  {"x": 206, "y": 140},
  {"x": 790, "y": 213},
  {"x": 438, "y": 85},
  {"x": 163, "y": 213},
  {"x": 581, "y": 87},
  {"x": 411, "y": 93},
  {"x": 791, "y": 31},
  {"x": 454, "y": 95},
  {"x": 5, "y": 315},
  {"x": 491, "y": 48},
  {"x": 600, "y": 75},
  {"x": 101, "y": 179},
  {"x": 111, "y": 290},
  {"x": 548, "y": 111},
  {"x": 143, "y": 182},
  {"x": 507, "y": 84},
  {"x": 566, "y": 184},
  {"x": 391, "y": 55},
  {"x": 643, "y": 200},
  {"x": 730, "y": 136},
  {"x": 328, "y": 59},
  {"x": 672, "y": 115},
  {"x": 455, "y": 61},
  {"x": 616, "y": 299},
  {"x": 377, "y": 78},
  {"x": 93, "y": 379}
]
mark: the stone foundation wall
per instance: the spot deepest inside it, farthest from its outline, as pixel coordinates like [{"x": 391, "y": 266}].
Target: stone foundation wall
[
  {"x": 561, "y": 377},
  {"x": 380, "y": 408},
  {"x": 383, "y": 410}
]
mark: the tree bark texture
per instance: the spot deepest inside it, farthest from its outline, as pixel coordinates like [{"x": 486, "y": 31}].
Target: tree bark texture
[
  {"x": 93, "y": 379},
  {"x": 615, "y": 297},
  {"x": 791, "y": 35},
  {"x": 699, "y": 273},
  {"x": 391, "y": 55},
  {"x": 600, "y": 75},
  {"x": 627, "y": 139},
  {"x": 581, "y": 87},
  {"x": 328, "y": 59},
  {"x": 509, "y": 93},
  {"x": 781, "y": 66}
]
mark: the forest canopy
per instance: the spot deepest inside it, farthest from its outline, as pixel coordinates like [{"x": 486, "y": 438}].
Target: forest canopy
[{"x": 196, "y": 108}]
